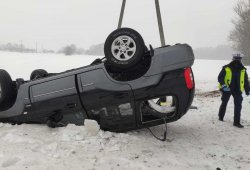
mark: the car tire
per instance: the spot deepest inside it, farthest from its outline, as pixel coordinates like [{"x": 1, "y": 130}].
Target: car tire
[
  {"x": 124, "y": 48},
  {"x": 6, "y": 87},
  {"x": 40, "y": 73}
]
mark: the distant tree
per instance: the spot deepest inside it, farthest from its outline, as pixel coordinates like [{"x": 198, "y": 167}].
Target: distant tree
[
  {"x": 14, "y": 48},
  {"x": 80, "y": 51},
  {"x": 240, "y": 36},
  {"x": 48, "y": 51},
  {"x": 96, "y": 50},
  {"x": 70, "y": 49}
]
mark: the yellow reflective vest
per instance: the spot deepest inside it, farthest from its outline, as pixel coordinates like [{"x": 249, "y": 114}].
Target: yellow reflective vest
[{"x": 228, "y": 78}]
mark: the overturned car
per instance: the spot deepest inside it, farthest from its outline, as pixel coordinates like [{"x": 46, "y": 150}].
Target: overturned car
[{"x": 132, "y": 87}]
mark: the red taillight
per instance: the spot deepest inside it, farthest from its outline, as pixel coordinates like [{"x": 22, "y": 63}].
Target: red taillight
[{"x": 189, "y": 78}]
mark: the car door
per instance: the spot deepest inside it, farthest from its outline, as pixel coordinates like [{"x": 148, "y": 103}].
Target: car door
[
  {"x": 109, "y": 102},
  {"x": 54, "y": 96}
]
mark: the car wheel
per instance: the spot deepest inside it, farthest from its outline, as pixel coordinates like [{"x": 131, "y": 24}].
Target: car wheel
[
  {"x": 124, "y": 48},
  {"x": 40, "y": 73},
  {"x": 6, "y": 86}
]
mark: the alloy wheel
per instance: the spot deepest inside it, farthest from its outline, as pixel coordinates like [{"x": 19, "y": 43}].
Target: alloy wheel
[{"x": 123, "y": 48}]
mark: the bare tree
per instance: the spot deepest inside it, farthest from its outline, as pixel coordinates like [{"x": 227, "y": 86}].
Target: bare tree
[
  {"x": 240, "y": 36},
  {"x": 69, "y": 50}
]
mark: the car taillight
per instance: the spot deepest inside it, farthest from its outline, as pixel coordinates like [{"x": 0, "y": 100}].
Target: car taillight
[{"x": 189, "y": 78}]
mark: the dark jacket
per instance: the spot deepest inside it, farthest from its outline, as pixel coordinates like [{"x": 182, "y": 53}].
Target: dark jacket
[{"x": 236, "y": 68}]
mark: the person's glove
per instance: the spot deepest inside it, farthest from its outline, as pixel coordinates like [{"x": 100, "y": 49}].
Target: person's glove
[{"x": 224, "y": 88}]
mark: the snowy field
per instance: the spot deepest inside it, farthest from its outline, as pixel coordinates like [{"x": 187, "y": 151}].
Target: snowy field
[{"x": 197, "y": 141}]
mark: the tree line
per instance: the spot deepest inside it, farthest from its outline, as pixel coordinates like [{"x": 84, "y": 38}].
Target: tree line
[
  {"x": 16, "y": 48},
  {"x": 67, "y": 50},
  {"x": 240, "y": 35}
]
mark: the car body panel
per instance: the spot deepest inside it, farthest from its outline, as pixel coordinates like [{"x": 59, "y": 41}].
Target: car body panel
[
  {"x": 53, "y": 89},
  {"x": 178, "y": 56}
]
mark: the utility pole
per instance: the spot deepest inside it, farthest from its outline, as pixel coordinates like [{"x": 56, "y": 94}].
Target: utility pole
[
  {"x": 161, "y": 31},
  {"x": 121, "y": 14}
]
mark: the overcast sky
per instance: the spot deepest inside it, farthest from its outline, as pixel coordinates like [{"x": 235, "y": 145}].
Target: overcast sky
[{"x": 55, "y": 23}]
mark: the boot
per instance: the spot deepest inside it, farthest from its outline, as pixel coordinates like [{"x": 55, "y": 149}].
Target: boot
[{"x": 238, "y": 125}]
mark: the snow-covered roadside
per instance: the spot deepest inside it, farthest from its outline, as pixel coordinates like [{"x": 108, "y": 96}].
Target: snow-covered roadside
[{"x": 197, "y": 141}]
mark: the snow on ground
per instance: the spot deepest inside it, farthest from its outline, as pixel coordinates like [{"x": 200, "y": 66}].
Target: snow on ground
[
  {"x": 20, "y": 65},
  {"x": 197, "y": 141}
]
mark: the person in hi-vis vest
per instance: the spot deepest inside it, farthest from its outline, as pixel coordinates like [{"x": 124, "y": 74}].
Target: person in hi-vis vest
[{"x": 233, "y": 80}]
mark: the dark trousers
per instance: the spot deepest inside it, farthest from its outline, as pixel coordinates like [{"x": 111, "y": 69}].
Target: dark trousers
[{"x": 237, "y": 105}]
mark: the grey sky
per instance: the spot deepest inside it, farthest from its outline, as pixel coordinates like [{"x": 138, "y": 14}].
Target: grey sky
[{"x": 55, "y": 23}]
